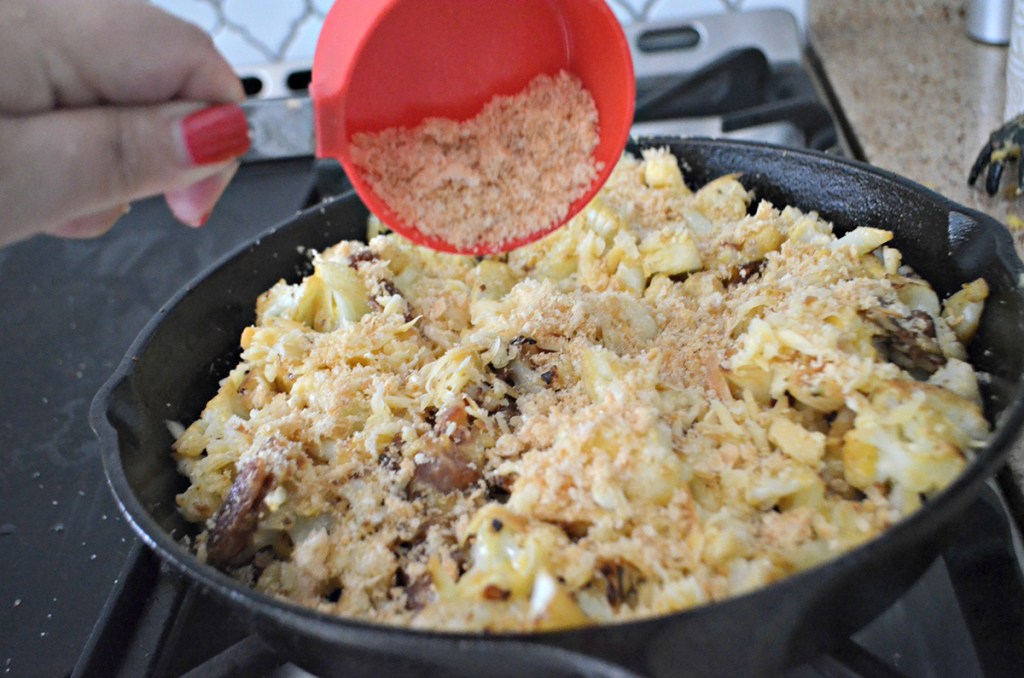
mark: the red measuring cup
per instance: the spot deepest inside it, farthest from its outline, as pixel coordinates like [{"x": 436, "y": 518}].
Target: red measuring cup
[{"x": 392, "y": 63}]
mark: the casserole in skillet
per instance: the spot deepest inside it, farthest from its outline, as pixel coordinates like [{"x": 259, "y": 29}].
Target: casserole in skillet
[{"x": 848, "y": 194}]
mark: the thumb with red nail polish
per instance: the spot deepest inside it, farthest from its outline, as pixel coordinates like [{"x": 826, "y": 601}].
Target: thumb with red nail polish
[
  {"x": 215, "y": 134},
  {"x": 209, "y": 137}
]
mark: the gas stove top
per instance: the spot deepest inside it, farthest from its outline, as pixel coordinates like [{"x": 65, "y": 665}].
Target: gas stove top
[
  {"x": 739, "y": 76},
  {"x": 81, "y": 595}
]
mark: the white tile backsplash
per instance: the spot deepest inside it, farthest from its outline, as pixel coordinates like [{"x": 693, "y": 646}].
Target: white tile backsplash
[
  {"x": 268, "y": 24},
  {"x": 303, "y": 43},
  {"x": 260, "y": 32},
  {"x": 206, "y": 15},
  {"x": 670, "y": 9}
]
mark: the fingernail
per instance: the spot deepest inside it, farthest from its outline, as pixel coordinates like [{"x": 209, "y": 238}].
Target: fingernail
[
  {"x": 194, "y": 222},
  {"x": 215, "y": 134},
  {"x": 193, "y": 204}
]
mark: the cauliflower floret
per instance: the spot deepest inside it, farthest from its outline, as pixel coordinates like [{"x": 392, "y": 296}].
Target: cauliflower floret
[{"x": 913, "y": 434}]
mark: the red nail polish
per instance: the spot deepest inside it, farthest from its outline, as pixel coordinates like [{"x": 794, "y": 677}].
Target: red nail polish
[
  {"x": 215, "y": 134},
  {"x": 202, "y": 219}
]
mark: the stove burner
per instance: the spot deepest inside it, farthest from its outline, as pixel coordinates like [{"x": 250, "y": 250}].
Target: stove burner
[
  {"x": 731, "y": 82},
  {"x": 745, "y": 91}
]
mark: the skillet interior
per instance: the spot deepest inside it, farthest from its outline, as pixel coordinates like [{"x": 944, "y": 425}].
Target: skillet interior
[{"x": 174, "y": 366}]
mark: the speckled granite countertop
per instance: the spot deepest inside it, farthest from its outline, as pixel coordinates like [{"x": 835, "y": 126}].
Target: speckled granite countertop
[{"x": 920, "y": 96}]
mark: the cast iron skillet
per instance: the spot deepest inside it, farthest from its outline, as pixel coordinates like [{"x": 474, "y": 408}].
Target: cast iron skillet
[{"x": 174, "y": 366}]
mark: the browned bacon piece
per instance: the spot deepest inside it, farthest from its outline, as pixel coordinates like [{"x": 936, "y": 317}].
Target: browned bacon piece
[{"x": 237, "y": 518}]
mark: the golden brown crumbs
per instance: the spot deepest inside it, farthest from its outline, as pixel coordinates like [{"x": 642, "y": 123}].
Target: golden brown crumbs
[{"x": 509, "y": 172}]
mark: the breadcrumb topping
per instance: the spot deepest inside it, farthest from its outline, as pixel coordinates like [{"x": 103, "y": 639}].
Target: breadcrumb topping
[
  {"x": 509, "y": 172},
  {"x": 679, "y": 397}
]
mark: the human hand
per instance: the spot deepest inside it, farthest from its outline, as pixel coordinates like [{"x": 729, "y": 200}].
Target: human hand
[{"x": 103, "y": 102}]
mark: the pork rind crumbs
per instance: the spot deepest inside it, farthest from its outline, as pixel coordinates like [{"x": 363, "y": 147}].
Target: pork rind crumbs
[
  {"x": 677, "y": 398},
  {"x": 510, "y": 172}
]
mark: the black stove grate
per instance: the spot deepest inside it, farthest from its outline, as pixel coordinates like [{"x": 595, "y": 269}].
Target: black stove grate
[{"x": 744, "y": 90}]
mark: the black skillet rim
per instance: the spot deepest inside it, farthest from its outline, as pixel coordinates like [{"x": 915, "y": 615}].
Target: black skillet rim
[{"x": 949, "y": 501}]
